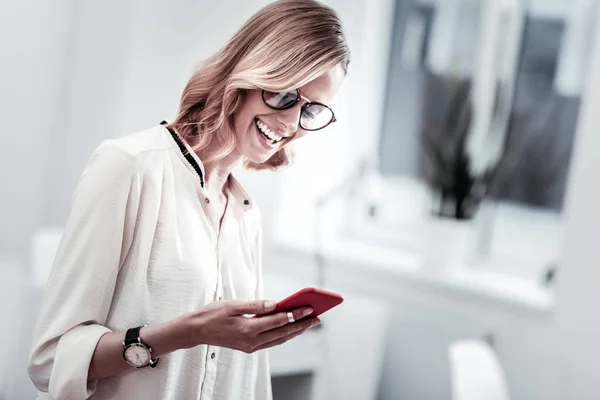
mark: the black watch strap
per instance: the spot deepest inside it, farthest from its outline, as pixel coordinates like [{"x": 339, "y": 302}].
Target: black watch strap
[{"x": 133, "y": 336}]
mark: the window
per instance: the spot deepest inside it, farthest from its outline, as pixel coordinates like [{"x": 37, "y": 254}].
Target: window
[{"x": 480, "y": 116}]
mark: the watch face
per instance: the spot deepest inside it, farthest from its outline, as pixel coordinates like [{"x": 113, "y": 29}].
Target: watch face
[{"x": 137, "y": 355}]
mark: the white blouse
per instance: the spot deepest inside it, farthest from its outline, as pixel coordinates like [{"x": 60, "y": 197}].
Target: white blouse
[{"x": 138, "y": 249}]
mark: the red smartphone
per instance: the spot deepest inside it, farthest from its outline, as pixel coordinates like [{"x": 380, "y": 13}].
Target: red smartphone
[{"x": 318, "y": 299}]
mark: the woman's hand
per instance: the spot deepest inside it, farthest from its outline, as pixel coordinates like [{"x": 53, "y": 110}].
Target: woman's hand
[{"x": 224, "y": 324}]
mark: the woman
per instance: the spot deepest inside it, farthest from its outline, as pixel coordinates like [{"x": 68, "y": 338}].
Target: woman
[{"x": 160, "y": 265}]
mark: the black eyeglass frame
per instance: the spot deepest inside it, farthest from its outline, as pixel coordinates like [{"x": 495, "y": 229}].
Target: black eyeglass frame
[{"x": 304, "y": 107}]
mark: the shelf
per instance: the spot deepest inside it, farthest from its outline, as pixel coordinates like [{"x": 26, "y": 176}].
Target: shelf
[{"x": 368, "y": 263}]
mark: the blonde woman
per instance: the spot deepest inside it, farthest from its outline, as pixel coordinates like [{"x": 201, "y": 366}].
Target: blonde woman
[{"x": 160, "y": 264}]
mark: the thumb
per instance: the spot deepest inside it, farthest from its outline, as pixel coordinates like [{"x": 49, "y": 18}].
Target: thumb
[{"x": 254, "y": 307}]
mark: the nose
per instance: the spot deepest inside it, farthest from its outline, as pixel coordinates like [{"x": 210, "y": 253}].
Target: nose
[{"x": 289, "y": 119}]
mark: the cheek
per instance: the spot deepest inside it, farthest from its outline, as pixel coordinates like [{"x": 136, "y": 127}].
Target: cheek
[
  {"x": 254, "y": 104},
  {"x": 242, "y": 121},
  {"x": 300, "y": 133}
]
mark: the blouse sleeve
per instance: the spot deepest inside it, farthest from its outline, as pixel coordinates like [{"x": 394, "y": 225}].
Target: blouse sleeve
[{"x": 78, "y": 294}]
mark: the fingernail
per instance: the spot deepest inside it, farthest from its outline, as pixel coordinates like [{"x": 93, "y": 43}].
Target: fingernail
[
  {"x": 307, "y": 312},
  {"x": 270, "y": 304}
]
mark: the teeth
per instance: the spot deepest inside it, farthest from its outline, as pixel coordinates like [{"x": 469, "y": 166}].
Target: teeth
[{"x": 269, "y": 133}]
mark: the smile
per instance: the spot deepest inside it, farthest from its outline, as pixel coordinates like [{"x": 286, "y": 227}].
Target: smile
[{"x": 267, "y": 133}]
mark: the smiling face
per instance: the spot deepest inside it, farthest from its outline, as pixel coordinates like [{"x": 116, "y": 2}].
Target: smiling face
[{"x": 261, "y": 131}]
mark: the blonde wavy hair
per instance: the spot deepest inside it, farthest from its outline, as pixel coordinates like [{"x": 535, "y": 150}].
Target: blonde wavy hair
[{"x": 285, "y": 45}]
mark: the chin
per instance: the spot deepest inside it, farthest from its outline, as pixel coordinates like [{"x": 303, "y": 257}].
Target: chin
[{"x": 259, "y": 158}]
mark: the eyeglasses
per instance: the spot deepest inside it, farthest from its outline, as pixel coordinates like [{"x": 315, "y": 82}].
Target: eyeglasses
[{"x": 313, "y": 116}]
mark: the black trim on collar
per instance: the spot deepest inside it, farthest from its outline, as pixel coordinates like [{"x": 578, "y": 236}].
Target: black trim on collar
[{"x": 185, "y": 152}]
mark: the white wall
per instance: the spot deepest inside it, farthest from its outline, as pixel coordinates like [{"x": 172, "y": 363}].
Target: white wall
[
  {"x": 97, "y": 47},
  {"x": 578, "y": 297},
  {"x": 33, "y": 38}
]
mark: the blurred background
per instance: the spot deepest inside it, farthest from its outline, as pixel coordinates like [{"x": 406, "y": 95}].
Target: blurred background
[{"x": 454, "y": 204}]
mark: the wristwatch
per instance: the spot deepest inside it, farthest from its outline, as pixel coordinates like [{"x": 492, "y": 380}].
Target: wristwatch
[{"x": 135, "y": 352}]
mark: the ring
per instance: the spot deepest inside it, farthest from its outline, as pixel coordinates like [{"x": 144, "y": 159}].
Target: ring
[{"x": 291, "y": 318}]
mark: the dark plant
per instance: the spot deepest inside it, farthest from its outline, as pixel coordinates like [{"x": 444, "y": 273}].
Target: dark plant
[{"x": 447, "y": 166}]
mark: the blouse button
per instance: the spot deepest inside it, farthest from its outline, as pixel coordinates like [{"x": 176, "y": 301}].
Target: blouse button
[
  {"x": 247, "y": 202},
  {"x": 206, "y": 200},
  {"x": 212, "y": 356}
]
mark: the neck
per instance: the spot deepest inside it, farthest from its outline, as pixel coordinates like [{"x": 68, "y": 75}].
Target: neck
[{"x": 217, "y": 172}]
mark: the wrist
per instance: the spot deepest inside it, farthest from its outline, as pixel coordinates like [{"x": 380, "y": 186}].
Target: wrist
[
  {"x": 164, "y": 337},
  {"x": 185, "y": 331}
]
